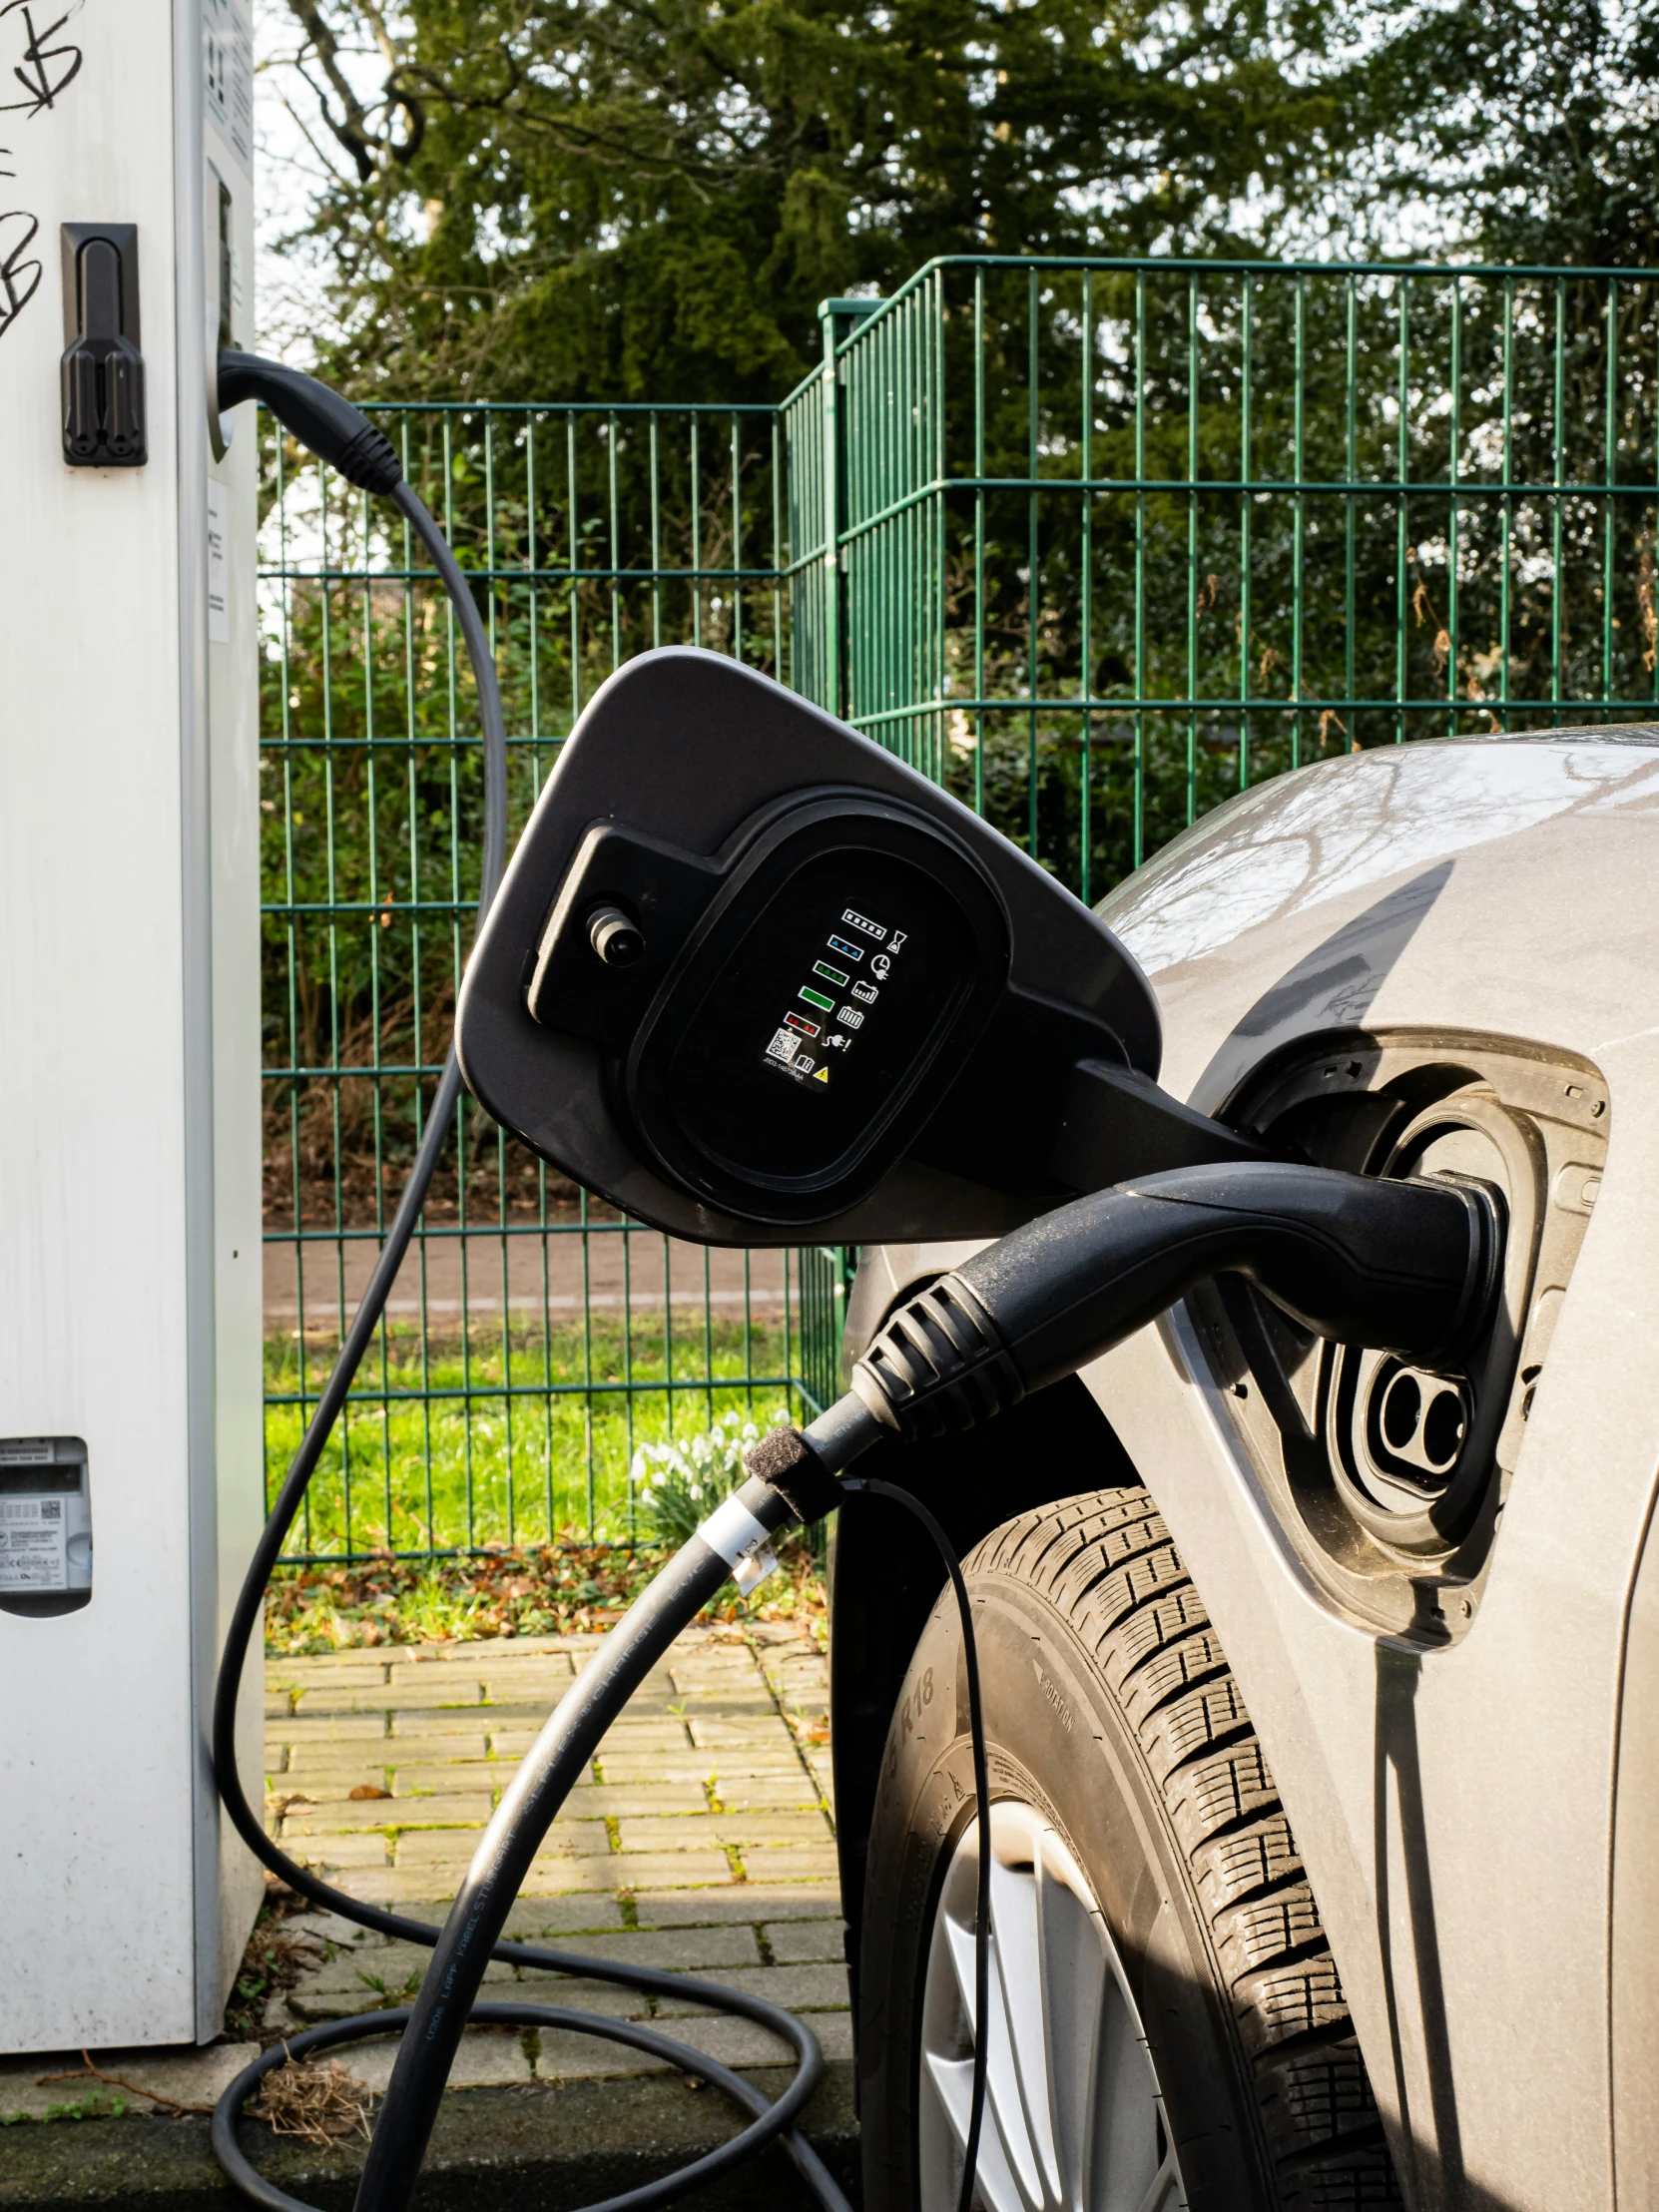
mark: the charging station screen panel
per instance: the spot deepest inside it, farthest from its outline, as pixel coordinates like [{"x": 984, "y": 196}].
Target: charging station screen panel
[{"x": 811, "y": 1031}]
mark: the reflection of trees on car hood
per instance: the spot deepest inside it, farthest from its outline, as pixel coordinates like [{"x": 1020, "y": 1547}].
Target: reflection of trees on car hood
[{"x": 1343, "y": 826}]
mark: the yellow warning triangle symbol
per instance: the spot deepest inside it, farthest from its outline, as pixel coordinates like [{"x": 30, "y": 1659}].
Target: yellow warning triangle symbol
[{"x": 822, "y": 1076}]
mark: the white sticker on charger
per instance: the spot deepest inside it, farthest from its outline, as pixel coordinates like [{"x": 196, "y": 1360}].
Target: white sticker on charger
[
  {"x": 32, "y": 1555},
  {"x": 732, "y": 1532}
]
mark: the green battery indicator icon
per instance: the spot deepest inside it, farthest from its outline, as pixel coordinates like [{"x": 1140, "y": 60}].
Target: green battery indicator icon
[
  {"x": 815, "y": 998},
  {"x": 831, "y": 974}
]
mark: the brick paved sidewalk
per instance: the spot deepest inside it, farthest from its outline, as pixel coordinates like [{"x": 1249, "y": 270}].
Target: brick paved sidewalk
[{"x": 703, "y": 1841}]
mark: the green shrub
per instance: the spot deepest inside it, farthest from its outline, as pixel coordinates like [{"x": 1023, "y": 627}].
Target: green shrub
[{"x": 678, "y": 1486}]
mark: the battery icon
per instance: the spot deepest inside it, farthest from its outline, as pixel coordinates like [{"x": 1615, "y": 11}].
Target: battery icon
[
  {"x": 800, "y": 1021},
  {"x": 831, "y": 974},
  {"x": 815, "y": 998}
]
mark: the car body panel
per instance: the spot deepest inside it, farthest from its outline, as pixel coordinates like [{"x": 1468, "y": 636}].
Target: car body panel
[{"x": 1455, "y": 1808}]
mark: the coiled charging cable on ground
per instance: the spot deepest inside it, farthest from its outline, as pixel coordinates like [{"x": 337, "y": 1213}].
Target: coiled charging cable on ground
[{"x": 334, "y": 430}]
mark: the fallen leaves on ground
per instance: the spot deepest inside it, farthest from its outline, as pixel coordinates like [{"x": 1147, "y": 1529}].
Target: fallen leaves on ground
[{"x": 553, "y": 1589}]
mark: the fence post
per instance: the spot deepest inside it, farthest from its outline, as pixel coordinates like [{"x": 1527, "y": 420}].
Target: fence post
[{"x": 834, "y": 653}]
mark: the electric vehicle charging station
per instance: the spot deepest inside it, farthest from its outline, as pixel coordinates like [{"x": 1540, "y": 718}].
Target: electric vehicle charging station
[{"x": 130, "y": 1293}]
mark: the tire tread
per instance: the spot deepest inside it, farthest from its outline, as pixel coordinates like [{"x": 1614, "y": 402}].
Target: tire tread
[{"x": 1108, "y": 1566}]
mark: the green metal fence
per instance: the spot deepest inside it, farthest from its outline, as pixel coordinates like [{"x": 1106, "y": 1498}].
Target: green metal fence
[
  {"x": 534, "y": 1335},
  {"x": 1095, "y": 544},
  {"x": 1098, "y": 543}
]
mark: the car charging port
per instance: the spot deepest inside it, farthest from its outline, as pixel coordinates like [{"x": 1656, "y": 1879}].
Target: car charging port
[
  {"x": 1407, "y": 1428},
  {"x": 1389, "y": 1472}
]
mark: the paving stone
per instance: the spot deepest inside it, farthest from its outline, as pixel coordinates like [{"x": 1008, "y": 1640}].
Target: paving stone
[
  {"x": 457, "y": 1654},
  {"x": 323, "y": 1673},
  {"x": 470, "y": 1810},
  {"x": 770, "y": 1863},
  {"x": 431, "y": 1724},
  {"x": 754, "y": 1902},
  {"x": 550, "y": 1877},
  {"x": 526, "y": 1714},
  {"x": 528, "y": 1669},
  {"x": 321, "y": 1786},
  {"x": 559, "y": 1916},
  {"x": 564, "y": 2056},
  {"x": 732, "y": 2039},
  {"x": 435, "y": 1846},
  {"x": 741, "y": 1703},
  {"x": 675, "y": 1949},
  {"x": 433, "y": 1685},
  {"x": 278, "y": 1705},
  {"x": 753, "y": 1765},
  {"x": 514, "y": 1738},
  {"x": 487, "y": 2059},
  {"x": 385, "y": 1885},
  {"x": 414, "y": 1745},
  {"x": 797, "y": 1943},
  {"x": 712, "y": 1733},
  {"x": 652, "y": 1832},
  {"x": 329, "y": 1927},
  {"x": 778, "y": 1791},
  {"x": 609, "y": 1999},
  {"x": 452, "y": 1777},
  {"x": 328, "y": 1852},
  {"x": 653, "y": 1870},
  {"x": 183, "y": 2075},
  {"x": 444, "y": 1690},
  {"x": 799, "y": 1988},
  {"x": 680, "y": 1766},
  {"x": 366, "y": 1981},
  {"x": 329, "y": 1728},
  {"x": 593, "y": 1800}
]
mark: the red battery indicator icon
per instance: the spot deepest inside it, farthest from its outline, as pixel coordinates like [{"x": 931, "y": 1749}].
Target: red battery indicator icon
[{"x": 800, "y": 1021}]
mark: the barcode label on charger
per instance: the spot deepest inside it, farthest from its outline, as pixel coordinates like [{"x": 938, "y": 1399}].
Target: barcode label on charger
[{"x": 32, "y": 1544}]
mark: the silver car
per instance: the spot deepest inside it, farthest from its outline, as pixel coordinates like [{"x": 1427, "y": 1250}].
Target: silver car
[{"x": 1323, "y": 1692}]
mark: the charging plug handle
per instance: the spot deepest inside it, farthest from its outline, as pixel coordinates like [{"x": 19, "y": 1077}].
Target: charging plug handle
[
  {"x": 1407, "y": 1266},
  {"x": 323, "y": 422}
]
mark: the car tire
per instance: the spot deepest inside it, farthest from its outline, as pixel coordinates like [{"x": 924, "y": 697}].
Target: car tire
[{"x": 1167, "y": 2022}]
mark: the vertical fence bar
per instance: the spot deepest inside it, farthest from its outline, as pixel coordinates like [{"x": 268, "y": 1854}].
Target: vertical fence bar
[
  {"x": 1192, "y": 546},
  {"x": 1403, "y": 559},
  {"x": 1558, "y": 591},
  {"x": 1247, "y": 511},
  {"x": 1138, "y": 765}
]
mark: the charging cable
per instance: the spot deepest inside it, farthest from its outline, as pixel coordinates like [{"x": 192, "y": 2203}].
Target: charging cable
[
  {"x": 1406, "y": 1266},
  {"x": 334, "y": 430}
]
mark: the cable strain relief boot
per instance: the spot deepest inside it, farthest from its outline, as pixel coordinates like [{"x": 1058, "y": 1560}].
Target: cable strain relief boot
[
  {"x": 323, "y": 422},
  {"x": 786, "y": 1461},
  {"x": 370, "y": 460},
  {"x": 938, "y": 1366}
]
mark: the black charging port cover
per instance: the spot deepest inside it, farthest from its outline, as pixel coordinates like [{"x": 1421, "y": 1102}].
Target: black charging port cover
[{"x": 849, "y": 1008}]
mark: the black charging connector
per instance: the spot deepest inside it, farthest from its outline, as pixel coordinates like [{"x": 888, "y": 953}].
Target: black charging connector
[{"x": 1411, "y": 1267}]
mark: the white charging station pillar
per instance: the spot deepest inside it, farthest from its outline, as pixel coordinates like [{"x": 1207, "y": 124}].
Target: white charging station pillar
[{"x": 129, "y": 1315}]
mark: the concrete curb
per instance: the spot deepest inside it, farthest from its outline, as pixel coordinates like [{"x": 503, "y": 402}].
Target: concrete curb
[{"x": 524, "y": 2149}]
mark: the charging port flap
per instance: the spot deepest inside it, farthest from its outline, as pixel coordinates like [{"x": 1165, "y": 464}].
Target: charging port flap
[{"x": 749, "y": 975}]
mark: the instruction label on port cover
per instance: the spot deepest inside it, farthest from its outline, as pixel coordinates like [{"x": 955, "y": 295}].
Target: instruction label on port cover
[{"x": 32, "y": 1553}]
